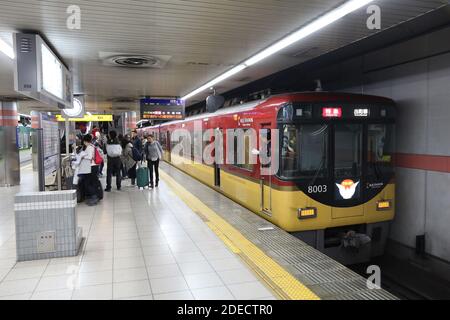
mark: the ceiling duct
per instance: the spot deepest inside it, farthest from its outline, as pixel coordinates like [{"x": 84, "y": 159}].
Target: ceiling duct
[{"x": 131, "y": 60}]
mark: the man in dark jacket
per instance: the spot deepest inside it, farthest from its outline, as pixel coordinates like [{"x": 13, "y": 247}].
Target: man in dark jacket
[{"x": 137, "y": 142}]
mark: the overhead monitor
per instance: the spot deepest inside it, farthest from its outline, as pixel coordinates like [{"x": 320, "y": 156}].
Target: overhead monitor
[
  {"x": 162, "y": 109},
  {"x": 39, "y": 73}
]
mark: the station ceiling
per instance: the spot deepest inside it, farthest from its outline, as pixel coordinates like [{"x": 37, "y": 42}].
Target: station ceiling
[{"x": 197, "y": 40}]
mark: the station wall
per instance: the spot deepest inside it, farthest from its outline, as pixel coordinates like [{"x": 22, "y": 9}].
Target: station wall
[{"x": 416, "y": 74}]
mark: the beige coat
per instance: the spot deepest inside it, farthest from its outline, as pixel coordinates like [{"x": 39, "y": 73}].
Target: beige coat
[{"x": 127, "y": 157}]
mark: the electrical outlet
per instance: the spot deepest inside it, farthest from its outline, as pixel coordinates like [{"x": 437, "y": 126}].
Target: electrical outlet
[{"x": 46, "y": 242}]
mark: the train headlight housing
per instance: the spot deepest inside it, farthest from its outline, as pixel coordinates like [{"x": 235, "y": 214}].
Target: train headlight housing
[
  {"x": 307, "y": 213},
  {"x": 384, "y": 205}
]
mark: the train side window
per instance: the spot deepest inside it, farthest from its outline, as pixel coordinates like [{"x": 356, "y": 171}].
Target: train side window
[
  {"x": 247, "y": 151},
  {"x": 381, "y": 146}
]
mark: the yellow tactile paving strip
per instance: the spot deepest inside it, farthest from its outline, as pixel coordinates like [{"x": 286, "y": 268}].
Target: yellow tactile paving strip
[{"x": 276, "y": 277}]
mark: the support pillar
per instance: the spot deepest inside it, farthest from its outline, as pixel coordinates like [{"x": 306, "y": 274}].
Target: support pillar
[{"x": 9, "y": 151}]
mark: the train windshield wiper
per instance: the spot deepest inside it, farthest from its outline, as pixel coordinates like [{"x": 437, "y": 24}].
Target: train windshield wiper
[{"x": 324, "y": 153}]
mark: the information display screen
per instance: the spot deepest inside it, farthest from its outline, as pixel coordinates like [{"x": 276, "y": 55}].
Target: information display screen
[
  {"x": 162, "y": 109},
  {"x": 52, "y": 73}
]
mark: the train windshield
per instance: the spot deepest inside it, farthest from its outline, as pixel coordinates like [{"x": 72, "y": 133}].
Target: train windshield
[
  {"x": 347, "y": 150},
  {"x": 304, "y": 151}
]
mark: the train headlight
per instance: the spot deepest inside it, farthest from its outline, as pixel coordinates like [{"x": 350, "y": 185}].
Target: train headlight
[
  {"x": 307, "y": 213},
  {"x": 383, "y": 205}
]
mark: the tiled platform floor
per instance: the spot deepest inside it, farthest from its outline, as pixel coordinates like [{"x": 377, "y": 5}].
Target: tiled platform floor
[{"x": 139, "y": 245}]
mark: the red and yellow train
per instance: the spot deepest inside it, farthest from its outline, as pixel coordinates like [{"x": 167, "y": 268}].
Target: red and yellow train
[{"x": 335, "y": 185}]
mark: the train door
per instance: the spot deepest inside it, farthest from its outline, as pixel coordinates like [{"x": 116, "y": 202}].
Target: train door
[
  {"x": 266, "y": 180},
  {"x": 218, "y": 144},
  {"x": 168, "y": 146}
]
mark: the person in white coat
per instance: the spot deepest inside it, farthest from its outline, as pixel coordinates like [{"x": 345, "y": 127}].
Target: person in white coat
[{"x": 88, "y": 172}]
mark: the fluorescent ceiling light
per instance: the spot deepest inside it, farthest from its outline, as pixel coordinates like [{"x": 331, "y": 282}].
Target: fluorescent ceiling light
[
  {"x": 213, "y": 82},
  {"x": 302, "y": 33},
  {"x": 7, "y": 49}
]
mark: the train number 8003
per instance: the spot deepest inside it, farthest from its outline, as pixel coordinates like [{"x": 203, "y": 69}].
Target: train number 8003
[{"x": 318, "y": 189}]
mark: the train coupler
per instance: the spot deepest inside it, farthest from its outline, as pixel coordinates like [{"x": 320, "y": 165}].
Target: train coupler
[{"x": 353, "y": 240}]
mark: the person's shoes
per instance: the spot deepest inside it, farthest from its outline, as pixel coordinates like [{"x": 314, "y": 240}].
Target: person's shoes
[
  {"x": 118, "y": 188},
  {"x": 108, "y": 189},
  {"x": 150, "y": 186},
  {"x": 156, "y": 183}
]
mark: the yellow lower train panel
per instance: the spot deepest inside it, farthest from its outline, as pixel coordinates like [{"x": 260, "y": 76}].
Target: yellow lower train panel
[{"x": 285, "y": 204}]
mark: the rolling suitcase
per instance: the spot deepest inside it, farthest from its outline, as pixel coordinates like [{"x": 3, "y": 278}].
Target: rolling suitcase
[{"x": 142, "y": 176}]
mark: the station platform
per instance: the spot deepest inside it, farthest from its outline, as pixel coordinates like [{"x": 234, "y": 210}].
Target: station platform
[
  {"x": 144, "y": 244},
  {"x": 182, "y": 240}
]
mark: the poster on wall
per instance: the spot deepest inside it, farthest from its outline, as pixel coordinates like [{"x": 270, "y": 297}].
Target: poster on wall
[{"x": 51, "y": 143}]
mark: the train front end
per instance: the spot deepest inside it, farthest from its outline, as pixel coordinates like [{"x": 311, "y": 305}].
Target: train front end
[{"x": 336, "y": 186}]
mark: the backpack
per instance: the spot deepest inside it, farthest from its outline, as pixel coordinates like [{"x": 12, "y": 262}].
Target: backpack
[
  {"x": 137, "y": 156},
  {"x": 98, "y": 159}
]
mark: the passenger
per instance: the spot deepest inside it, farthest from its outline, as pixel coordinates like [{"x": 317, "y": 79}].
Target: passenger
[
  {"x": 137, "y": 142},
  {"x": 127, "y": 159},
  {"x": 77, "y": 178},
  {"x": 98, "y": 143},
  {"x": 153, "y": 153},
  {"x": 122, "y": 167},
  {"x": 88, "y": 171},
  {"x": 94, "y": 131},
  {"x": 113, "y": 151}
]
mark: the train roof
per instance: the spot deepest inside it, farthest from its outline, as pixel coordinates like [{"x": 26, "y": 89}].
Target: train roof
[{"x": 251, "y": 105}]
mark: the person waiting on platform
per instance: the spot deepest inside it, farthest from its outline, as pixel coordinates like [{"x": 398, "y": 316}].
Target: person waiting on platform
[
  {"x": 127, "y": 159},
  {"x": 88, "y": 170},
  {"x": 122, "y": 167},
  {"x": 153, "y": 153},
  {"x": 137, "y": 142},
  {"x": 113, "y": 152},
  {"x": 97, "y": 141}
]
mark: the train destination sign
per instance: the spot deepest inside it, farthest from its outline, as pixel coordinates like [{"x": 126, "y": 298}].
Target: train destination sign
[{"x": 162, "y": 109}]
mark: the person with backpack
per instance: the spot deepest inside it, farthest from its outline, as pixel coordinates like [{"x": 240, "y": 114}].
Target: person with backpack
[
  {"x": 88, "y": 171},
  {"x": 129, "y": 154},
  {"x": 153, "y": 153},
  {"x": 113, "y": 152}
]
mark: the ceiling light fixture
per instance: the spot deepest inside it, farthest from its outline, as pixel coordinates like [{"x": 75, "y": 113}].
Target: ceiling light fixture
[
  {"x": 302, "y": 33},
  {"x": 7, "y": 49}
]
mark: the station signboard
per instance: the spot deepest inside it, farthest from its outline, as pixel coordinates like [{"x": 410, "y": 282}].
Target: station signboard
[
  {"x": 162, "y": 109},
  {"x": 88, "y": 118}
]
